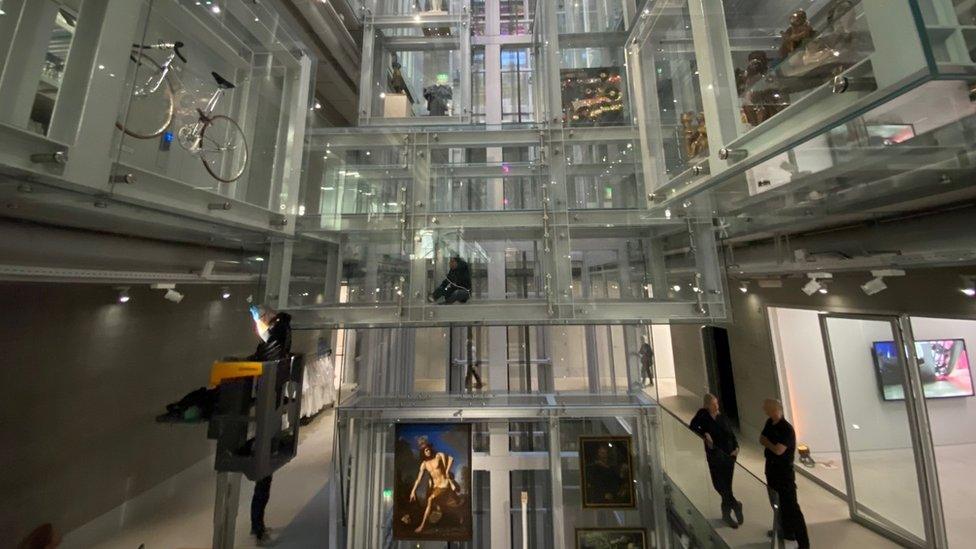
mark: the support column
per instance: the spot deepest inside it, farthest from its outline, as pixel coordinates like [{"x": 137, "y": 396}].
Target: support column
[
  {"x": 279, "y": 273},
  {"x": 556, "y": 476},
  {"x": 497, "y": 335},
  {"x": 717, "y": 77},
  {"x": 501, "y": 487}
]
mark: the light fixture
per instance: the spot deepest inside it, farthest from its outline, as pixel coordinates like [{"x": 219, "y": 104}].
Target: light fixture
[
  {"x": 970, "y": 292},
  {"x": 258, "y": 258},
  {"x": 744, "y": 286},
  {"x": 173, "y": 295},
  {"x": 225, "y": 293},
  {"x": 215, "y": 8},
  {"x": 874, "y": 286},
  {"x": 676, "y": 287},
  {"x": 124, "y": 296},
  {"x": 814, "y": 285}
]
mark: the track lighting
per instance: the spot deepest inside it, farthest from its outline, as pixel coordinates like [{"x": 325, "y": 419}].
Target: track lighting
[
  {"x": 877, "y": 284},
  {"x": 812, "y": 287},
  {"x": 815, "y": 285},
  {"x": 173, "y": 295},
  {"x": 968, "y": 286}
]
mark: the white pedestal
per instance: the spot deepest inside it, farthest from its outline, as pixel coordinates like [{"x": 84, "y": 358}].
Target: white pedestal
[{"x": 396, "y": 105}]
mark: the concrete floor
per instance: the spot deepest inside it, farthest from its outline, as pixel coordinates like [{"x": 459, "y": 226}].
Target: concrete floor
[
  {"x": 827, "y": 516},
  {"x": 178, "y": 514}
]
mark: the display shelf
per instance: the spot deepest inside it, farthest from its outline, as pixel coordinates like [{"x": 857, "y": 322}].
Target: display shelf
[
  {"x": 495, "y": 405},
  {"x": 914, "y": 149},
  {"x": 239, "y": 62}
]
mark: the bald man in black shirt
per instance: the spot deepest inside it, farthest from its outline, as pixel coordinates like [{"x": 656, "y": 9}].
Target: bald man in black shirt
[{"x": 779, "y": 440}]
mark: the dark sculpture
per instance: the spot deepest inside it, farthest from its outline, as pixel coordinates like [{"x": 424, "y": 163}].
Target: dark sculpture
[
  {"x": 437, "y": 97},
  {"x": 761, "y": 99},
  {"x": 396, "y": 82}
]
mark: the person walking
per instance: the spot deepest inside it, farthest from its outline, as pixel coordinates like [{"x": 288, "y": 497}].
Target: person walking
[
  {"x": 721, "y": 452},
  {"x": 779, "y": 440},
  {"x": 646, "y": 355}
]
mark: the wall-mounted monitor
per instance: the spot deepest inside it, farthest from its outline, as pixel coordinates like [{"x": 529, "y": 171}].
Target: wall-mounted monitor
[{"x": 943, "y": 366}]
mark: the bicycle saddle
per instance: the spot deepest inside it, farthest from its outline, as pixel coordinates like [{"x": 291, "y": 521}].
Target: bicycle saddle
[{"x": 222, "y": 82}]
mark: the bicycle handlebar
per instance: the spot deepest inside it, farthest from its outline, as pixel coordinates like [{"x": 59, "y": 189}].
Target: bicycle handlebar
[{"x": 175, "y": 46}]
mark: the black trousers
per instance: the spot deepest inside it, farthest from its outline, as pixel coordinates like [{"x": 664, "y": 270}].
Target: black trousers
[
  {"x": 451, "y": 293},
  {"x": 262, "y": 493},
  {"x": 721, "y": 469},
  {"x": 792, "y": 524},
  {"x": 647, "y": 370}
]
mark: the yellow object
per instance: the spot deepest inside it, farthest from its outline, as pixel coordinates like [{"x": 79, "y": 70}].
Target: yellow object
[{"x": 233, "y": 370}]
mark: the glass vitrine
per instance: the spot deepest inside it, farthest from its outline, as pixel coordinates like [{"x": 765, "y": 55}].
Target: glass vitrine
[{"x": 212, "y": 93}]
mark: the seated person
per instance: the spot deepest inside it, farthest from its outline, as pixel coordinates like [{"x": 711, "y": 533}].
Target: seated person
[{"x": 456, "y": 288}]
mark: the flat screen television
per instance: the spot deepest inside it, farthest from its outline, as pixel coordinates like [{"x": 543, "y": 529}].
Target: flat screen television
[{"x": 943, "y": 366}]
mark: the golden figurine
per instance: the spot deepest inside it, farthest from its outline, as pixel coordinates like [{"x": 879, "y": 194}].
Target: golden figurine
[{"x": 799, "y": 32}]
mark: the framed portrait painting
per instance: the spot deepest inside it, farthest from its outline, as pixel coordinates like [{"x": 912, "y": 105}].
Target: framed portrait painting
[
  {"x": 432, "y": 482},
  {"x": 607, "y": 475},
  {"x": 610, "y": 538}
]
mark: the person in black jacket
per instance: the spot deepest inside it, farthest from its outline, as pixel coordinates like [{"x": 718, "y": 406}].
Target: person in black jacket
[
  {"x": 779, "y": 440},
  {"x": 721, "y": 451},
  {"x": 277, "y": 346},
  {"x": 456, "y": 288}
]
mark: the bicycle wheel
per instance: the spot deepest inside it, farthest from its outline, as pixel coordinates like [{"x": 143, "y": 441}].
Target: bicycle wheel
[
  {"x": 223, "y": 148},
  {"x": 150, "y": 110}
]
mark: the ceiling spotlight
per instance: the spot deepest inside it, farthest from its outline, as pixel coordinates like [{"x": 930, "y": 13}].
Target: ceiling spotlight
[
  {"x": 812, "y": 287},
  {"x": 970, "y": 292},
  {"x": 124, "y": 295},
  {"x": 874, "y": 286},
  {"x": 968, "y": 286},
  {"x": 173, "y": 295},
  {"x": 676, "y": 287},
  {"x": 225, "y": 293},
  {"x": 877, "y": 284},
  {"x": 744, "y": 286}
]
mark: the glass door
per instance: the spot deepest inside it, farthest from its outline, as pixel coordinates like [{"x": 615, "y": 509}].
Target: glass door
[{"x": 875, "y": 405}]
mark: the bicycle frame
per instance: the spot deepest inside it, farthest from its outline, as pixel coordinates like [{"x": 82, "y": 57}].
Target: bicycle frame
[{"x": 156, "y": 80}]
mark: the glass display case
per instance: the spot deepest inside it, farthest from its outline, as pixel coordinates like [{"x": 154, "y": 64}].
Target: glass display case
[
  {"x": 196, "y": 83},
  {"x": 417, "y": 67},
  {"x": 675, "y": 122},
  {"x": 552, "y": 479},
  {"x": 592, "y": 69}
]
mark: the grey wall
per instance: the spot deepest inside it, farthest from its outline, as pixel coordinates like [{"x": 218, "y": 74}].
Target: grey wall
[
  {"x": 926, "y": 292},
  {"x": 83, "y": 378},
  {"x": 689, "y": 359}
]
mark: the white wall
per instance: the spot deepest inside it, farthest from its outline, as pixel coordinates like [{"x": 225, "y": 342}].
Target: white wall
[
  {"x": 805, "y": 386},
  {"x": 803, "y": 377},
  {"x": 953, "y": 419}
]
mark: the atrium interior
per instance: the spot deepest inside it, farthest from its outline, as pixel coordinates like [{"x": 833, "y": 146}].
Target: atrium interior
[{"x": 523, "y": 245}]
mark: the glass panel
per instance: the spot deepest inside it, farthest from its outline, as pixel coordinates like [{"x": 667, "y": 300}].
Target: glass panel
[
  {"x": 536, "y": 488},
  {"x": 675, "y": 114},
  {"x": 411, "y": 7},
  {"x": 783, "y": 51},
  {"x": 593, "y": 85},
  {"x": 944, "y": 348},
  {"x": 869, "y": 375},
  {"x": 590, "y": 16},
  {"x": 683, "y": 461},
  {"x": 210, "y": 101},
  {"x": 62, "y": 32}
]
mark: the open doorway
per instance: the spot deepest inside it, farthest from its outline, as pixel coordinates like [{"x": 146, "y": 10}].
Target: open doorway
[{"x": 718, "y": 364}]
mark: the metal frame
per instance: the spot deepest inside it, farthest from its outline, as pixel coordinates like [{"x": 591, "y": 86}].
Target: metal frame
[{"x": 921, "y": 441}]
